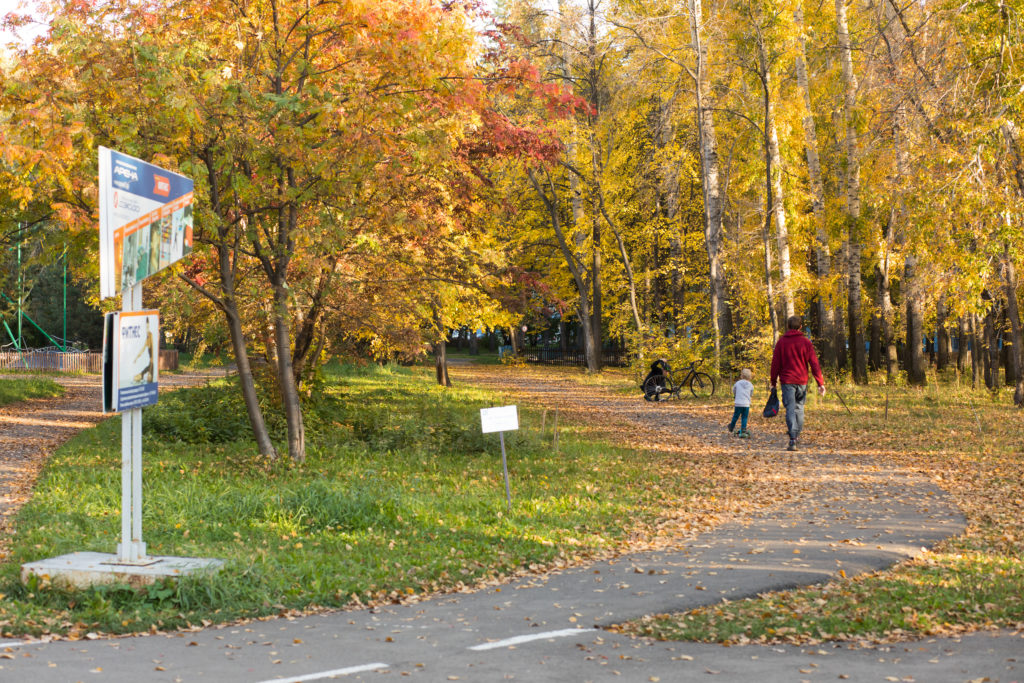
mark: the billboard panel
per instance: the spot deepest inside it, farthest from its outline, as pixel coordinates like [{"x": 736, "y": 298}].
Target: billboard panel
[
  {"x": 145, "y": 220},
  {"x": 132, "y": 354}
]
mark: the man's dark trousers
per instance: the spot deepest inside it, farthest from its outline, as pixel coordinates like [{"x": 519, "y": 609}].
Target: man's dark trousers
[{"x": 793, "y": 398}]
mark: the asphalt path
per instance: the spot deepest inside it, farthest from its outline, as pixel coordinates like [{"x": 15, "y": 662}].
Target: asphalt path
[{"x": 551, "y": 627}]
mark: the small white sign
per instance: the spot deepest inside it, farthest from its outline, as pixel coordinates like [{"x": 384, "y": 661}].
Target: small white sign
[{"x": 502, "y": 419}]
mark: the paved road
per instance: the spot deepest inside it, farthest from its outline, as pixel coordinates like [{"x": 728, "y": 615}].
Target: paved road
[{"x": 549, "y": 627}]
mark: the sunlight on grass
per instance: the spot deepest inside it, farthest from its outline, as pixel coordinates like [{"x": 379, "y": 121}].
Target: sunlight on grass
[
  {"x": 23, "y": 388},
  {"x": 401, "y": 495}
]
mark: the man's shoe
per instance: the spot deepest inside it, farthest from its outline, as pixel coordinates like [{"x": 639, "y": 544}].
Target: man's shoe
[
  {"x": 731, "y": 427},
  {"x": 792, "y": 445}
]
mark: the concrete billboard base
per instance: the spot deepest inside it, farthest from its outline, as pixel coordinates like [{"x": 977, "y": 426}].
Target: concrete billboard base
[{"x": 85, "y": 569}]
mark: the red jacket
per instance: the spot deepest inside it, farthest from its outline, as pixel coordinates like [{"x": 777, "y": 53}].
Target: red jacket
[{"x": 793, "y": 353}]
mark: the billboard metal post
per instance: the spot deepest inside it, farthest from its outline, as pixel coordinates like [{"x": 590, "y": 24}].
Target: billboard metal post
[{"x": 131, "y": 549}]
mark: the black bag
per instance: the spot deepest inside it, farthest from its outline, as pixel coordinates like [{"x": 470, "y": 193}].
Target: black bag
[{"x": 771, "y": 408}]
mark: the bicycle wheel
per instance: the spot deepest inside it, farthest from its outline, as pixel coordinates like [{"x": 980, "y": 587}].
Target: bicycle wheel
[
  {"x": 702, "y": 385},
  {"x": 658, "y": 388}
]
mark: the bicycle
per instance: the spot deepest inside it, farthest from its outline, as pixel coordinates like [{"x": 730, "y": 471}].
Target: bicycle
[{"x": 663, "y": 387}]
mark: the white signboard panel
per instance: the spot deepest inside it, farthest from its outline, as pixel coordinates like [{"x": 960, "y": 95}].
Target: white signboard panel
[
  {"x": 502, "y": 419},
  {"x": 145, "y": 220},
  {"x": 134, "y": 360}
]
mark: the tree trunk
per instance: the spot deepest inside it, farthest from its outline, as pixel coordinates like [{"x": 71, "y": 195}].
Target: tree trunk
[
  {"x": 226, "y": 248},
  {"x": 977, "y": 354},
  {"x": 992, "y": 380},
  {"x": 853, "y": 310},
  {"x": 441, "y": 363},
  {"x": 709, "y": 178},
  {"x": 577, "y": 271},
  {"x": 286, "y": 376},
  {"x": 854, "y": 316},
  {"x": 875, "y": 345},
  {"x": 309, "y": 328},
  {"x": 963, "y": 351},
  {"x": 474, "y": 343},
  {"x": 768, "y": 287},
  {"x": 1016, "y": 335},
  {"x": 627, "y": 266},
  {"x": 441, "y": 350},
  {"x": 942, "y": 334},
  {"x": 822, "y": 256},
  {"x": 773, "y": 179},
  {"x": 593, "y": 76},
  {"x": 915, "y": 325},
  {"x": 885, "y": 312}
]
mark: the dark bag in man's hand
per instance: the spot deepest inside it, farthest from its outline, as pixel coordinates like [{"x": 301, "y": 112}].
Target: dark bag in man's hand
[{"x": 771, "y": 409}]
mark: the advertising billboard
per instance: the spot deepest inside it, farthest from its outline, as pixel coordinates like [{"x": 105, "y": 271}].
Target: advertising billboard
[
  {"x": 131, "y": 360},
  {"x": 145, "y": 220}
]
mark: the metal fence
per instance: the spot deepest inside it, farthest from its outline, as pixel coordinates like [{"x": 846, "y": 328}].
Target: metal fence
[
  {"x": 572, "y": 357},
  {"x": 69, "y": 362}
]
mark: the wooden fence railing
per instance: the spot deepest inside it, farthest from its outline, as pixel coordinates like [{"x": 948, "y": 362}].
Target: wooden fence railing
[{"x": 69, "y": 362}]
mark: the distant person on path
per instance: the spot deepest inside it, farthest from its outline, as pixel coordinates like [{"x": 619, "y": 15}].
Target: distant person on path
[
  {"x": 793, "y": 353},
  {"x": 742, "y": 392},
  {"x": 658, "y": 369}
]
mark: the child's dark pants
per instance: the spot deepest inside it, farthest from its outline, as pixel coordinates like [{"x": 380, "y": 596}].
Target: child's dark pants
[{"x": 741, "y": 413}]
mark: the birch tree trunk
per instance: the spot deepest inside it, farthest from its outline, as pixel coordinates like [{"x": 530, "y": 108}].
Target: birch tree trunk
[
  {"x": 853, "y": 306},
  {"x": 886, "y": 314},
  {"x": 822, "y": 256},
  {"x": 773, "y": 177},
  {"x": 709, "y": 178},
  {"x": 769, "y": 288}
]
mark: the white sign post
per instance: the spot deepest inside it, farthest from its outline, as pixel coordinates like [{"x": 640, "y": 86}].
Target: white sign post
[
  {"x": 501, "y": 420},
  {"x": 145, "y": 226}
]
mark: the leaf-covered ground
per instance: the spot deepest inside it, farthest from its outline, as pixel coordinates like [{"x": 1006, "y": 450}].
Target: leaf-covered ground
[
  {"x": 625, "y": 476},
  {"x": 971, "y": 443}
]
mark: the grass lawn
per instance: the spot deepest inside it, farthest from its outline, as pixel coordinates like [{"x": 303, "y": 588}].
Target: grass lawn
[
  {"x": 20, "y": 389},
  {"x": 401, "y": 496},
  {"x": 972, "y": 444}
]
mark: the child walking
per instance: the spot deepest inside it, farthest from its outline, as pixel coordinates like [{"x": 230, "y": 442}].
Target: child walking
[{"x": 743, "y": 390}]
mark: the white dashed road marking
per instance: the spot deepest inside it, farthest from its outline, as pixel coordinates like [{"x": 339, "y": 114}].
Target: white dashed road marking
[
  {"x": 533, "y": 636},
  {"x": 327, "y": 674}
]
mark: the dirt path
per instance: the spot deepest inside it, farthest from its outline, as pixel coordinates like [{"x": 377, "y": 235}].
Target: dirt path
[
  {"x": 738, "y": 478},
  {"x": 31, "y": 430}
]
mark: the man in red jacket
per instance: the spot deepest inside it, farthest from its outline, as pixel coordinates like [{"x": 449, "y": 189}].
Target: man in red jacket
[{"x": 793, "y": 353}]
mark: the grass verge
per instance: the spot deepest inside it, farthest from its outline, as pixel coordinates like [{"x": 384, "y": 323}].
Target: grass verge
[
  {"x": 972, "y": 444},
  {"x": 401, "y": 496},
  {"x": 20, "y": 389}
]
